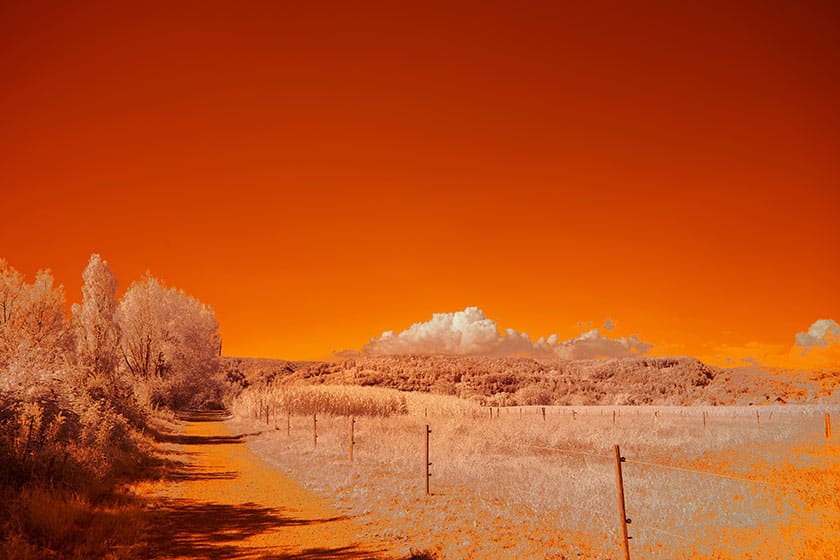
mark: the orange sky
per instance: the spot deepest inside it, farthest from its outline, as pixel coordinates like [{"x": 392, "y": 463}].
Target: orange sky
[{"x": 321, "y": 172}]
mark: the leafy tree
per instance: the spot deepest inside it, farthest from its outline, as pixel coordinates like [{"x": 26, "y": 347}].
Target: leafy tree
[
  {"x": 97, "y": 331},
  {"x": 139, "y": 319},
  {"x": 11, "y": 287},
  {"x": 36, "y": 349},
  {"x": 170, "y": 342}
]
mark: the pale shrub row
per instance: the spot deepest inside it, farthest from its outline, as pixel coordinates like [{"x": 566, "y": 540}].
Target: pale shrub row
[
  {"x": 332, "y": 400},
  {"x": 347, "y": 400}
]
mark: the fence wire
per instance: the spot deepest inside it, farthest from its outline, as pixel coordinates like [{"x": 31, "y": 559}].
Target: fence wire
[
  {"x": 647, "y": 526},
  {"x": 789, "y": 487},
  {"x": 727, "y": 476}
]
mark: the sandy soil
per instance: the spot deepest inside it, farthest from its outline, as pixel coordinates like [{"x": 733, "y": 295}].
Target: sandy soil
[{"x": 222, "y": 501}]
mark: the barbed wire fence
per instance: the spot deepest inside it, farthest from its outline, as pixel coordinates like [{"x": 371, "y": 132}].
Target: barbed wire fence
[{"x": 624, "y": 529}]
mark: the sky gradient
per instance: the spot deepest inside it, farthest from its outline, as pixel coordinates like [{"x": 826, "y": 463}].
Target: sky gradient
[{"x": 322, "y": 172}]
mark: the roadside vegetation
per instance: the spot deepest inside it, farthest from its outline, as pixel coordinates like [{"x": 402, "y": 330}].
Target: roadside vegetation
[{"x": 79, "y": 396}]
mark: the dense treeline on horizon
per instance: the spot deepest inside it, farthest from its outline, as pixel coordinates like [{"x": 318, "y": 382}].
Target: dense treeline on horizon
[
  {"x": 518, "y": 381},
  {"x": 77, "y": 390}
]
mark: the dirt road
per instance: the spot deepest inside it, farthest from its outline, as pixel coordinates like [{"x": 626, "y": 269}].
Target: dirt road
[{"x": 222, "y": 501}]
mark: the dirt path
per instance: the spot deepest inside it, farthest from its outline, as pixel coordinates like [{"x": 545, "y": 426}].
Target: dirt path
[{"x": 222, "y": 501}]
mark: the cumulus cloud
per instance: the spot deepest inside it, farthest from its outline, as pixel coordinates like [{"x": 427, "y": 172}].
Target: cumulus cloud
[
  {"x": 609, "y": 324},
  {"x": 592, "y": 344},
  {"x": 470, "y": 332},
  {"x": 462, "y": 332},
  {"x": 817, "y": 347},
  {"x": 821, "y": 333}
]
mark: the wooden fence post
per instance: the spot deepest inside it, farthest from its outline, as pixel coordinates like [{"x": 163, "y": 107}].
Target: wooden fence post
[
  {"x": 613, "y": 417},
  {"x": 543, "y": 412},
  {"x": 625, "y": 540},
  {"x": 757, "y": 418},
  {"x": 315, "y": 431},
  {"x": 288, "y": 422},
  {"x": 427, "y": 462},
  {"x": 704, "y": 418},
  {"x": 827, "y": 425},
  {"x": 352, "y": 436}
]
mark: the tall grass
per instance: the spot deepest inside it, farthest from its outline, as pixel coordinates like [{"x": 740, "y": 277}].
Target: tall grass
[
  {"x": 53, "y": 523},
  {"x": 347, "y": 400},
  {"x": 61, "y": 480},
  {"x": 335, "y": 400},
  {"x": 520, "y": 486}
]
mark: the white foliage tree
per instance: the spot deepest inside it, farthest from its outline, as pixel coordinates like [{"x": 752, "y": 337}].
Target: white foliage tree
[
  {"x": 36, "y": 339},
  {"x": 97, "y": 331},
  {"x": 139, "y": 316},
  {"x": 11, "y": 287},
  {"x": 171, "y": 340}
]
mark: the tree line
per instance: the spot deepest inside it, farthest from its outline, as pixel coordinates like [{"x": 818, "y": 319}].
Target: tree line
[{"x": 75, "y": 389}]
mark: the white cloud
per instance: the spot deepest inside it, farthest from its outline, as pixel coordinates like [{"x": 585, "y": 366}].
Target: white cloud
[
  {"x": 592, "y": 344},
  {"x": 462, "y": 332},
  {"x": 470, "y": 332},
  {"x": 821, "y": 333}
]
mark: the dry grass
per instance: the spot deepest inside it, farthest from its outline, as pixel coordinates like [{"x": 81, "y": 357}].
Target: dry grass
[
  {"x": 67, "y": 510},
  {"x": 49, "y": 523},
  {"x": 339, "y": 401},
  {"x": 347, "y": 400},
  {"x": 499, "y": 492}
]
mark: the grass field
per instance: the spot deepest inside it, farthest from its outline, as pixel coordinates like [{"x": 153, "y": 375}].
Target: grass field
[{"x": 520, "y": 485}]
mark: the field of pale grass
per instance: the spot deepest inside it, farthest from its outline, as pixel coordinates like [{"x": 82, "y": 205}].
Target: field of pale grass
[{"x": 516, "y": 484}]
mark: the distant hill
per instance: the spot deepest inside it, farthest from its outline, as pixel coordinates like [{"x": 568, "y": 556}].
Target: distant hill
[
  {"x": 757, "y": 385},
  {"x": 526, "y": 381},
  {"x": 249, "y": 371}
]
